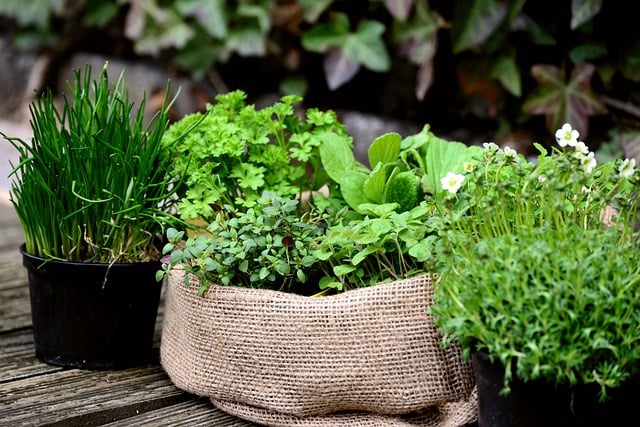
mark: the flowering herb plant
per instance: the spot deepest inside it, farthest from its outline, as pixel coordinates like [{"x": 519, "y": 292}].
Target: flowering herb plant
[{"x": 540, "y": 266}]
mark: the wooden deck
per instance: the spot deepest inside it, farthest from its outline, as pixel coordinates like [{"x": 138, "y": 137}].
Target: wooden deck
[{"x": 33, "y": 393}]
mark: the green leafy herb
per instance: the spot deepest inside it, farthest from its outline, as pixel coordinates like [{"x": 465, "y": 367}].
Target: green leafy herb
[
  {"x": 269, "y": 246},
  {"x": 233, "y": 153},
  {"x": 91, "y": 185},
  {"x": 539, "y": 264}
]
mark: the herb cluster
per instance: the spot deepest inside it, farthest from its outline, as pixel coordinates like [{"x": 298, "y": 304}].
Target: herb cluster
[
  {"x": 540, "y": 265},
  {"x": 389, "y": 229},
  {"x": 233, "y": 152},
  {"x": 91, "y": 185},
  {"x": 268, "y": 246}
]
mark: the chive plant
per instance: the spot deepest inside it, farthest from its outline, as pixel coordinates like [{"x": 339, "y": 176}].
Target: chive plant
[{"x": 92, "y": 184}]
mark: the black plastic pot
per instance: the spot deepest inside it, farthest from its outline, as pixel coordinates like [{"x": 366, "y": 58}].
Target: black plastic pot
[
  {"x": 93, "y": 316},
  {"x": 539, "y": 403}
]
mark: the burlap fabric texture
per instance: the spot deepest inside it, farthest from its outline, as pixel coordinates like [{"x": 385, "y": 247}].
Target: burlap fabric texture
[{"x": 365, "y": 357}]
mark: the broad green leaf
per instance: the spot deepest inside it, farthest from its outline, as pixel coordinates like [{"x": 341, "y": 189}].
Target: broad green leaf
[
  {"x": 375, "y": 183},
  {"x": 312, "y": 9},
  {"x": 367, "y": 47},
  {"x": 475, "y": 21},
  {"x": 31, "y": 12},
  {"x": 363, "y": 254},
  {"x": 441, "y": 157},
  {"x": 351, "y": 187},
  {"x": 247, "y": 42},
  {"x": 261, "y": 14},
  {"x": 417, "y": 39},
  {"x": 587, "y": 52},
  {"x": 210, "y": 14},
  {"x": 506, "y": 71},
  {"x": 325, "y": 36},
  {"x": 198, "y": 56},
  {"x": 99, "y": 13},
  {"x": 173, "y": 32},
  {"x": 423, "y": 250},
  {"x": 583, "y": 10},
  {"x": 328, "y": 283},
  {"x": 384, "y": 149},
  {"x": 337, "y": 156},
  {"x": 341, "y": 270},
  {"x": 538, "y": 34}
]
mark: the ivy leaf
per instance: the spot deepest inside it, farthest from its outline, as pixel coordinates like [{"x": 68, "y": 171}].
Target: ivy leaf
[
  {"x": 506, "y": 71},
  {"x": 475, "y": 21},
  {"x": 247, "y": 42},
  {"x": 564, "y": 102},
  {"x": 424, "y": 79},
  {"x": 399, "y": 9},
  {"x": 325, "y": 36},
  {"x": 630, "y": 63},
  {"x": 338, "y": 68},
  {"x": 208, "y": 13},
  {"x": 367, "y": 47},
  {"x": 312, "y": 9},
  {"x": 171, "y": 32},
  {"x": 583, "y": 10}
]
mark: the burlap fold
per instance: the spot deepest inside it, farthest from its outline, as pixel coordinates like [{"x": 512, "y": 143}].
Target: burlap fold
[{"x": 368, "y": 356}]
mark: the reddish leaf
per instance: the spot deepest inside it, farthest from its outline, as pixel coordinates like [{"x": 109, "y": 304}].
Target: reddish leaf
[
  {"x": 338, "y": 69},
  {"x": 424, "y": 79},
  {"x": 399, "y": 9},
  {"x": 564, "y": 102}
]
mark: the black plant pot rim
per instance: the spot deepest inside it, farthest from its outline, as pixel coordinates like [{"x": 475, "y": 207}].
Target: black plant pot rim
[{"x": 80, "y": 264}]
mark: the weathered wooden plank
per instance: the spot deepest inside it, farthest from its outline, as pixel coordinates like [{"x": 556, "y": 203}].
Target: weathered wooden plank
[
  {"x": 18, "y": 357},
  {"x": 15, "y": 311},
  {"x": 70, "y": 394},
  {"x": 193, "y": 412},
  {"x": 12, "y": 272}
]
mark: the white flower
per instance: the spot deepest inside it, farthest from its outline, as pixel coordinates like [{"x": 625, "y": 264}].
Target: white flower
[
  {"x": 467, "y": 167},
  {"x": 452, "y": 182},
  {"x": 588, "y": 162},
  {"x": 490, "y": 146},
  {"x": 510, "y": 152},
  {"x": 581, "y": 147},
  {"x": 627, "y": 168},
  {"x": 567, "y": 136}
]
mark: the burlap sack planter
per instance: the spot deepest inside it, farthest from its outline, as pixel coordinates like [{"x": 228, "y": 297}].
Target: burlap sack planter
[{"x": 370, "y": 356}]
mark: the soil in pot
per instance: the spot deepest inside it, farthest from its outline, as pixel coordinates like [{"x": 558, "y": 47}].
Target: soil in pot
[
  {"x": 538, "y": 403},
  {"x": 93, "y": 316}
]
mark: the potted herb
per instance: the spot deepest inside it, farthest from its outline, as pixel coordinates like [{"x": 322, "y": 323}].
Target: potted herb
[
  {"x": 389, "y": 231},
  {"x": 92, "y": 194},
  {"x": 245, "y": 324},
  {"x": 541, "y": 284},
  {"x": 233, "y": 152}
]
